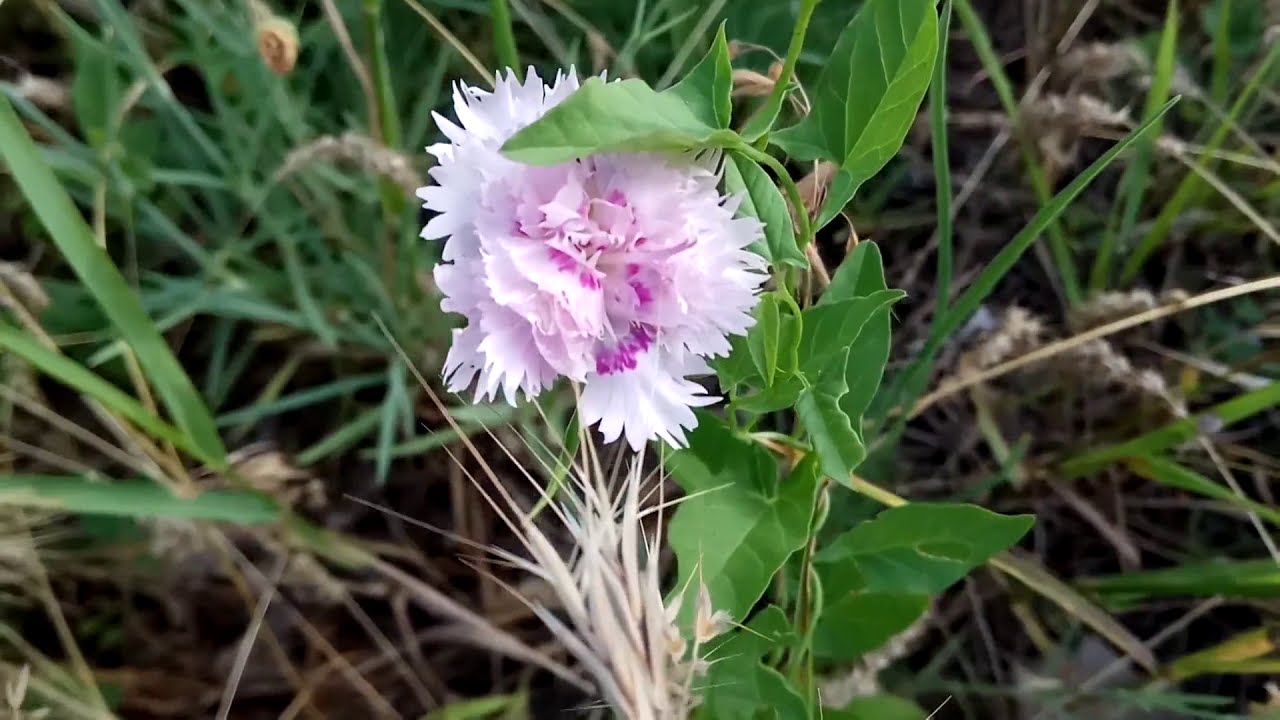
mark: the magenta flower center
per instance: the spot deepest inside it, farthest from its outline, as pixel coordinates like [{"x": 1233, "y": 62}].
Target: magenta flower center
[{"x": 613, "y": 280}]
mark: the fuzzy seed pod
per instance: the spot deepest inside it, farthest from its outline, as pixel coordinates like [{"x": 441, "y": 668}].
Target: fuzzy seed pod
[{"x": 278, "y": 44}]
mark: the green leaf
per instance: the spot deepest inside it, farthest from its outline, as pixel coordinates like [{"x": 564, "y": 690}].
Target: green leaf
[
  {"x": 921, "y": 548},
  {"x": 856, "y": 623},
  {"x": 762, "y": 200},
  {"x": 737, "y": 367},
  {"x": 739, "y": 685},
  {"x": 99, "y": 274},
  {"x": 707, "y": 89},
  {"x": 741, "y": 524},
  {"x": 777, "y": 397},
  {"x": 620, "y": 116},
  {"x": 135, "y": 499},
  {"x": 859, "y": 275},
  {"x": 867, "y": 95},
  {"x": 862, "y": 274},
  {"x": 878, "y": 707},
  {"x": 763, "y": 339},
  {"x": 838, "y": 445},
  {"x": 772, "y": 341},
  {"x": 832, "y": 327}
]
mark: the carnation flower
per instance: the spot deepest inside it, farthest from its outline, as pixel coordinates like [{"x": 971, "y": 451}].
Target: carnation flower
[{"x": 620, "y": 272}]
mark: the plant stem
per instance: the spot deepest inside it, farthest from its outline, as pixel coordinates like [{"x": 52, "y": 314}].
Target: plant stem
[
  {"x": 759, "y": 125},
  {"x": 801, "y": 663},
  {"x": 504, "y": 37},
  {"x": 805, "y": 231}
]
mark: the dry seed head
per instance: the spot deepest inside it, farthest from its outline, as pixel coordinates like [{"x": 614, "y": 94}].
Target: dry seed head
[
  {"x": 1019, "y": 332},
  {"x": 1101, "y": 61},
  {"x": 278, "y": 44},
  {"x": 352, "y": 148},
  {"x": 1110, "y": 306}
]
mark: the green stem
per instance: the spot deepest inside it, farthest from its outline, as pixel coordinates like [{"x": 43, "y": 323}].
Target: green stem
[
  {"x": 388, "y": 131},
  {"x": 760, "y": 124},
  {"x": 504, "y": 37},
  {"x": 805, "y": 231},
  {"x": 801, "y": 662}
]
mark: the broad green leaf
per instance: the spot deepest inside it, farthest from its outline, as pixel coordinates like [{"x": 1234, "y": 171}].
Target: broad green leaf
[
  {"x": 620, "y": 116},
  {"x": 99, "y": 274},
  {"x": 737, "y": 367},
  {"x": 867, "y": 95},
  {"x": 739, "y": 686},
  {"x": 837, "y": 443},
  {"x": 862, "y": 274},
  {"x": 878, "y": 707},
  {"x": 831, "y": 328},
  {"x": 855, "y": 623},
  {"x": 777, "y": 397},
  {"x": 707, "y": 89},
  {"x": 763, "y": 340},
  {"x": 771, "y": 339},
  {"x": 762, "y": 200},
  {"x": 135, "y": 499},
  {"x": 741, "y": 524},
  {"x": 921, "y": 548}
]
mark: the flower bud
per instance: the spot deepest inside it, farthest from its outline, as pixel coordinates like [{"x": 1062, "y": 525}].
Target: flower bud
[{"x": 278, "y": 44}]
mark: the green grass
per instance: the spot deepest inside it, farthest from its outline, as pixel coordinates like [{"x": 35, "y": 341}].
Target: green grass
[{"x": 182, "y": 261}]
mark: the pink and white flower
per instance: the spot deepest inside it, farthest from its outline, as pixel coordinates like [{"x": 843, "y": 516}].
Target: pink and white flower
[{"x": 620, "y": 272}]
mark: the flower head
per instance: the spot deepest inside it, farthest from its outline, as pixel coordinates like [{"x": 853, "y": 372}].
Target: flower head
[{"x": 621, "y": 272}]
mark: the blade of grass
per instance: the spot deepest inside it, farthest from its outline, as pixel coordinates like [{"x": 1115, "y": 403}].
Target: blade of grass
[
  {"x": 1247, "y": 647},
  {"x": 74, "y": 375},
  {"x": 135, "y": 498},
  {"x": 504, "y": 37},
  {"x": 99, "y": 274},
  {"x": 470, "y": 424},
  {"x": 1168, "y": 472},
  {"x": 908, "y": 386},
  {"x": 1059, "y": 246},
  {"x": 394, "y": 405},
  {"x": 342, "y": 438},
  {"x": 1220, "y": 83},
  {"x": 1229, "y": 578},
  {"x": 1192, "y": 187},
  {"x": 942, "y": 163},
  {"x": 1175, "y": 433},
  {"x": 1137, "y": 176},
  {"x": 296, "y": 401}
]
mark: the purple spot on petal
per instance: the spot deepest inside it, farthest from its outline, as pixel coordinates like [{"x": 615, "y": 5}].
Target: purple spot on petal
[
  {"x": 564, "y": 262},
  {"x": 616, "y": 197},
  {"x": 643, "y": 294}
]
